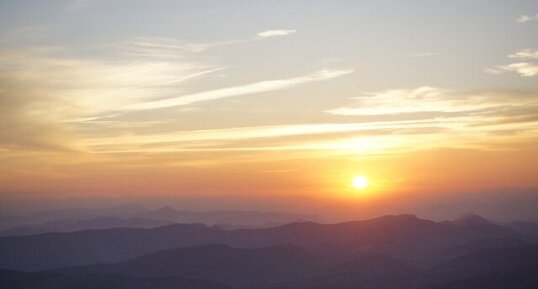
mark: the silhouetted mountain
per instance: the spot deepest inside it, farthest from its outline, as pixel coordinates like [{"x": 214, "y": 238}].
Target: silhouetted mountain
[
  {"x": 471, "y": 219},
  {"x": 83, "y": 213},
  {"x": 52, "y": 250},
  {"x": 374, "y": 271},
  {"x": 523, "y": 279},
  {"x": 50, "y": 217},
  {"x": 135, "y": 216},
  {"x": 239, "y": 267},
  {"x": 498, "y": 260},
  {"x": 476, "y": 224},
  {"x": 230, "y": 217},
  {"x": 23, "y": 280},
  {"x": 38, "y": 228},
  {"x": 482, "y": 244},
  {"x": 90, "y": 224},
  {"x": 492, "y": 268},
  {"x": 404, "y": 237},
  {"x": 527, "y": 229}
]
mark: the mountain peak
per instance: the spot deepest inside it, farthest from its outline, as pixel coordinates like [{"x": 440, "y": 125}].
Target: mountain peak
[
  {"x": 471, "y": 219},
  {"x": 400, "y": 217}
]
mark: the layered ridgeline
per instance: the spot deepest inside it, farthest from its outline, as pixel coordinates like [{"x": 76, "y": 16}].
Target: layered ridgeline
[
  {"x": 288, "y": 267},
  {"x": 388, "y": 252},
  {"x": 23, "y": 280},
  {"x": 405, "y": 236},
  {"x": 136, "y": 216}
]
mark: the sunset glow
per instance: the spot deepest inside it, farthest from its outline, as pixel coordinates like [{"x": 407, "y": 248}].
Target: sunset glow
[
  {"x": 245, "y": 144},
  {"x": 176, "y": 100}
]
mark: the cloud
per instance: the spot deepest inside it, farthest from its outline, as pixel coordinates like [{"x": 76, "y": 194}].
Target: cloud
[
  {"x": 276, "y": 33},
  {"x": 169, "y": 47},
  {"x": 527, "y": 18},
  {"x": 525, "y": 54},
  {"x": 422, "y": 99},
  {"x": 471, "y": 113},
  {"x": 44, "y": 92},
  {"x": 27, "y": 120},
  {"x": 252, "y": 88},
  {"x": 525, "y": 69},
  {"x": 494, "y": 70},
  {"x": 380, "y": 122},
  {"x": 49, "y": 100},
  {"x": 315, "y": 136}
]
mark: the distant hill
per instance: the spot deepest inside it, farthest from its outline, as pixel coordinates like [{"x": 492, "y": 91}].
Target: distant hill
[
  {"x": 498, "y": 260},
  {"x": 498, "y": 268},
  {"x": 87, "y": 224},
  {"x": 404, "y": 236},
  {"x": 239, "y": 267},
  {"x": 506, "y": 280},
  {"x": 471, "y": 219},
  {"x": 135, "y": 216},
  {"x": 374, "y": 271},
  {"x": 225, "y": 217},
  {"x": 528, "y": 230},
  {"x": 23, "y": 280},
  {"x": 290, "y": 267}
]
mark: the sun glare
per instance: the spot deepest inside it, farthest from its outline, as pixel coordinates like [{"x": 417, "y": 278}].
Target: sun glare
[{"x": 360, "y": 182}]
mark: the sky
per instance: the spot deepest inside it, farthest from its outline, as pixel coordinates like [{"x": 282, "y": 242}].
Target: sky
[{"x": 272, "y": 104}]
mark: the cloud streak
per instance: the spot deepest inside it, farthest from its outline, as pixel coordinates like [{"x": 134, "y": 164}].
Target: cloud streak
[
  {"x": 527, "y": 18},
  {"x": 524, "y": 69},
  {"x": 173, "y": 48},
  {"x": 44, "y": 92},
  {"x": 252, "y": 88},
  {"x": 380, "y": 123},
  {"x": 422, "y": 99},
  {"x": 525, "y": 54},
  {"x": 276, "y": 33}
]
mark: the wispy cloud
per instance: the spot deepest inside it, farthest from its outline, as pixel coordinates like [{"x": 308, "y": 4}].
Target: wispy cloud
[
  {"x": 422, "y": 99},
  {"x": 59, "y": 90},
  {"x": 445, "y": 105},
  {"x": 252, "y": 88},
  {"x": 527, "y": 18},
  {"x": 525, "y": 69},
  {"x": 322, "y": 136},
  {"x": 170, "y": 47},
  {"x": 379, "y": 122},
  {"x": 525, "y": 54},
  {"x": 276, "y": 33}
]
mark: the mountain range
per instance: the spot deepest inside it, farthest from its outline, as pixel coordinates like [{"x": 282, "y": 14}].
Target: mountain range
[
  {"x": 395, "y": 251},
  {"x": 136, "y": 216}
]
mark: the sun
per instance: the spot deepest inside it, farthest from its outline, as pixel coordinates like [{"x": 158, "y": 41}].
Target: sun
[{"x": 360, "y": 182}]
